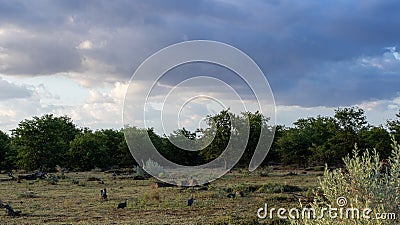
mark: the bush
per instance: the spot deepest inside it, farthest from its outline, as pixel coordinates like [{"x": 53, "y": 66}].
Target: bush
[
  {"x": 265, "y": 171},
  {"x": 154, "y": 168},
  {"x": 138, "y": 173},
  {"x": 364, "y": 183},
  {"x": 52, "y": 179}
]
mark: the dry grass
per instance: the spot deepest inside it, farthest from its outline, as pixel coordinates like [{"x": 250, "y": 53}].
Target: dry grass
[{"x": 75, "y": 200}]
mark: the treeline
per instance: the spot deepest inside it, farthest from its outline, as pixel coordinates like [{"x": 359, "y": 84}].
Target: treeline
[{"x": 45, "y": 142}]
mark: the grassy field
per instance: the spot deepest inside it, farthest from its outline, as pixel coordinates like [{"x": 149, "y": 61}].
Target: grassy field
[{"x": 76, "y": 200}]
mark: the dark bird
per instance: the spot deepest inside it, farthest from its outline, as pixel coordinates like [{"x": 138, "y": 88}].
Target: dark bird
[
  {"x": 11, "y": 175},
  {"x": 9, "y": 210},
  {"x": 190, "y": 201},
  {"x": 231, "y": 195},
  {"x": 122, "y": 205},
  {"x": 103, "y": 194}
]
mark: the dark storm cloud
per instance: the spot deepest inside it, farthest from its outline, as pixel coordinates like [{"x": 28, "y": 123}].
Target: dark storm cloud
[
  {"x": 309, "y": 50},
  {"x": 40, "y": 55}
]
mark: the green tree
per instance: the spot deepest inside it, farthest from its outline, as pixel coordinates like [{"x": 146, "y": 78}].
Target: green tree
[
  {"x": 377, "y": 138},
  {"x": 117, "y": 149},
  {"x": 257, "y": 121},
  {"x": 293, "y": 147},
  {"x": 7, "y": 153},
  {"x": 42, "y": 142},
  {"x": 275, "y": 153},
  {"x": 394, "y": 127},
  {"x": 352, "y": 122},
  {"x": 187, "y": 139},
  {"x": 138, "y": 142},
  {"x": 219, "y": 131},
  {"x": 88, "y": 151},
  {"x": 308, "y": 141},
  {"x": 321, "y": 131}
]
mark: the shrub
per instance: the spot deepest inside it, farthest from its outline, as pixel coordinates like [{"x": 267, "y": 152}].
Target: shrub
[
  {"x": 245, "y": 188},
  {"x": 138, "y": 171},
  {"x": 154, "y": 168},
  {"x": 266, "y": 171},
  {"x": 364, "y": 183},
  {"x": 52, "y": 179}
]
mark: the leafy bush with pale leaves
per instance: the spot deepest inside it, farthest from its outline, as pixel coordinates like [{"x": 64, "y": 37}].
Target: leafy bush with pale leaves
[
  {"x": 154, "y": 168},
  {"x": 366, "y": 182}
]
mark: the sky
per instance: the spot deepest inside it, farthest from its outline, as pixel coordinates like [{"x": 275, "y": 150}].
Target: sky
[{"x": 76, "y": 58}]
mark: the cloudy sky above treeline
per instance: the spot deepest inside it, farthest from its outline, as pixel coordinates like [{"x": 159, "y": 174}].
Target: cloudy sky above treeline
[{"x": 76, "y": 57}]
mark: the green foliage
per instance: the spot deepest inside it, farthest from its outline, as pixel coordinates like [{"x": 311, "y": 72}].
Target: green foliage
[
  {"x": 394, "y": 127},
  {"x": 265, "y": 171},
  {"x": 227, "y": 127},
  {"x": 327, "y": 140},
  {"x": 154, "y": 168},
  {"x": 220, "y": 131},
  {"x": 137, "y": 139},
  {"x": 47, "y": 141},
  {"x": 258, "y": 126},
  {"x": 42, "y": 142},
  {"x": 52, "y": 179},
  {"x": 352, "y": 122},
  {"x": 138, "y": 171},
  {"x": 278, "y": 188},
  {"x": 182, "y": 137},
  {"x": 308, "y": 141},
  {"x": 117, "y": 149},
  {"x": 275, "y": 152},
  {"x": 88, "y": 151},
  {"x": 365, "y": 183},
  {"x": 7, "y": 153},
  {"x": 377, "y": 138}
]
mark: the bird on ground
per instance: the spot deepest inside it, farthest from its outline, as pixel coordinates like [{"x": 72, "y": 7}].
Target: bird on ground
[
  {"x": 231, "y": 195},
  {"x": 9, "y": 210},
  {"x": 103, "y": 194},
  {"x": 190, "y": 201},
  {"x": 122, "y": 205},
  {"x": 10, "y": 174}
]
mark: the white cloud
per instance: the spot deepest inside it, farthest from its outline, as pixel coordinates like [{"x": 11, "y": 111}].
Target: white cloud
[
  {"x": 90, "y": 45},
  {"x": 85, "y": 45}
]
